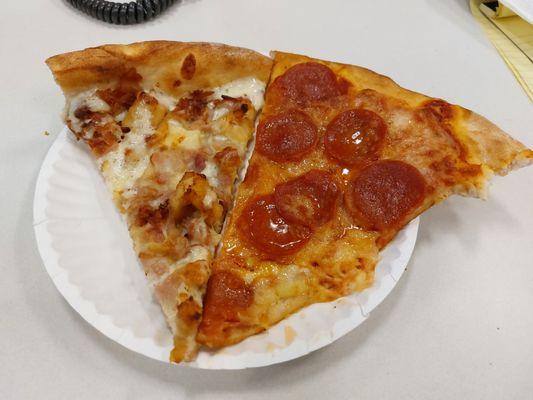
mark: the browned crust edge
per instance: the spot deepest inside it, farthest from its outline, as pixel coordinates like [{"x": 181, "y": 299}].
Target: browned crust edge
[{"x": 159, "y": 62}]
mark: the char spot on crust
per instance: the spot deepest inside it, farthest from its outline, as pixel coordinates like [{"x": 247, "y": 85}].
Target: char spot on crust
[
  {"x": 439, "y": 115},
  {"x": 439, "y": 109},
  {"x": 188, "y": 68}
]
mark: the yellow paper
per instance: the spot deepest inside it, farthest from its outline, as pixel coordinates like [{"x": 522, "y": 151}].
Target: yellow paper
[
  {"x": 503, "y": 12},
  {"x": 513, "y": 38}
]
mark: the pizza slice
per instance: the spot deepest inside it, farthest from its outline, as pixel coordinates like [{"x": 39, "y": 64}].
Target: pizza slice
[
  {"x": 343, "y": 159},
  {"x": 168, "y": 124}
]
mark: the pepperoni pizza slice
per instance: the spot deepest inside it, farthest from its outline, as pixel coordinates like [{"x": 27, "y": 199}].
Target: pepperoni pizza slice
[
  {"x": 168, "y": 124},
  {"x": 343, "y": 159}
]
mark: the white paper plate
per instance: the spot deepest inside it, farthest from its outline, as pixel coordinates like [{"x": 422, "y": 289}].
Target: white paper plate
[{"x": 87, "y": 252}]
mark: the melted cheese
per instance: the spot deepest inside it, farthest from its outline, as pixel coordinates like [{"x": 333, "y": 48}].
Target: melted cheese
[
  {"x": 211, "y": 173},
  {"x": 196, "y": 253},
  {"x": 164, "y": 99},
  {"x": 249, "y": 87},
  {"x": 120, "y": 175},
  {"x": 218, "y": 142},
  {"x": 120, "y": 117},
  {"x": 209, "y": 199},
  {"x": 219, "y": 113},
  {"x": 401, "y": 119},
  {"x": 129, "y": 161}
]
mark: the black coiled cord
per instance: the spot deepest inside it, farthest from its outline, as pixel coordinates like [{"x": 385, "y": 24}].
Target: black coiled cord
[{"x": 133, "y": 12}]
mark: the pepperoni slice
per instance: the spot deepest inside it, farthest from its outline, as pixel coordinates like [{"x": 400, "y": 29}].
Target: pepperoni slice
[
  {"x": 227, "y": 291},
  {"x": 384, "y": 193},
  {"x": 309, "y": 199},
  {"x": 287, "y": 136},
  {"x": 308, "y": 82},
  {"x": 227, "y": 294},
  {"x": 268, "y": 231},
  {"x": 354, "y": 136}
]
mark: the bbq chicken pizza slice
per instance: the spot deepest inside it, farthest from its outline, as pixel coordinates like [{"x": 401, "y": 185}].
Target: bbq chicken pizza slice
[
  {"x": 343, "y": 159},
  {"x": 168, "y": 124}
]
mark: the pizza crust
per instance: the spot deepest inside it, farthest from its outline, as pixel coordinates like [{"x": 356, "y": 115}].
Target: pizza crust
[
  {"x": 160, "y": 64},
  {"x": 496, "y": 149}
]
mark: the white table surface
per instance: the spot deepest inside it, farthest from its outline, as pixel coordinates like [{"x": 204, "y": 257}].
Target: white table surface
[{"x": 459, "y": 325}]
